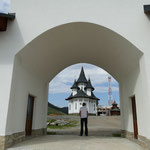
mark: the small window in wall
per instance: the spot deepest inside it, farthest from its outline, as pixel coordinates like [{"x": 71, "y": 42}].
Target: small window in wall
[
  {"x": 75, "y": 106},
  {"x": 94, "y": 107},
  {"x": 70, "y": 107}
]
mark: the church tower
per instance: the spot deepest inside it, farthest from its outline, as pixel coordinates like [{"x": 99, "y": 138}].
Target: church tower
[{"x": 82, "y": 91}]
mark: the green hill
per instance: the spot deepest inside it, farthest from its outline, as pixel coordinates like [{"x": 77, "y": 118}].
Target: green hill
[{"x": 52, "y": 109}]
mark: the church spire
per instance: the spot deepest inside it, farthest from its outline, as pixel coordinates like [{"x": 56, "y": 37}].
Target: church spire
[
  {"x": 82, "y": 78},
  {"x": 75, "y": 86},
  {"x": 89, "y": 85}
]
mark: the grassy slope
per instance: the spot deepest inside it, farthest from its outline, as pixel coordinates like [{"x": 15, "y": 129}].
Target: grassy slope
[{"x": 55, "y": 110}]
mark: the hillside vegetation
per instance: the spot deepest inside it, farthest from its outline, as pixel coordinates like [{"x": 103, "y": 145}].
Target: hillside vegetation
[{"x": 52, "y": 109}]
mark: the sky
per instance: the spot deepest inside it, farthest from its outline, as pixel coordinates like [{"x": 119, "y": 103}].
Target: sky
[
  {"x": 59, "y": 87},
  {"x": 4, "y": 6}
]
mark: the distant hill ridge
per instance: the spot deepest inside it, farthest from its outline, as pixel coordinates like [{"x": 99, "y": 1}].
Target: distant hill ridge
[{"x": 52, "y": 109}]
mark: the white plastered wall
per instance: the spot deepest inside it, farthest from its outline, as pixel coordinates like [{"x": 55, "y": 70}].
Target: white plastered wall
[
  {"x": 128, "y": 21},
  {"x": 134, "y": 85},
  {"x": 5, "y": 84},
  {"x": 25, "y": 83}
]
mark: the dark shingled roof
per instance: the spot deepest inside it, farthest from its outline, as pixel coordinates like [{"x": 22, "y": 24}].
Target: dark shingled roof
[
  {"x": 70, "y": 97},
  {"x": 82, "y": 94},
  {"x": 75, "y": 86},
  {"x": 79, "y": 94},
  {"x": 89, "y": 85},
  {"x": 93, "y": 96},
  {"x": 82, "y": 78}
]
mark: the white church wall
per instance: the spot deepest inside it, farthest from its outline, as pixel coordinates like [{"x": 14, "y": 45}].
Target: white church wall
[
  {"x": 78, "y": 103},
  {"x": 91, "y": 107},
  {"x": 70, "y": 106},
  {"x": 76, "y": 108},
  {"x": 79, "y": 106}
]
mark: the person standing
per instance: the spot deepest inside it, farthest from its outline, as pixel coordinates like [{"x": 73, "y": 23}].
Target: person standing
[{"x": 84, "y": 119}]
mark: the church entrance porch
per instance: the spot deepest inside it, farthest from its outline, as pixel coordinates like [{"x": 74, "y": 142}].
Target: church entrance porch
[{"x": 69, "y": 142}]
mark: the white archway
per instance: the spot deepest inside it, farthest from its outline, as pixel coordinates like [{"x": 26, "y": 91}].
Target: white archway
[{"x": 38, "y": 62}]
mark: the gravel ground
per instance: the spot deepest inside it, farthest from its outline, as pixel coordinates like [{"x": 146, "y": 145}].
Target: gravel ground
[{"x": 97, "y": 125}]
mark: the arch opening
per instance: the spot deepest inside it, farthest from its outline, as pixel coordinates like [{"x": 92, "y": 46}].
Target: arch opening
[{"x": 63, "y": 113}]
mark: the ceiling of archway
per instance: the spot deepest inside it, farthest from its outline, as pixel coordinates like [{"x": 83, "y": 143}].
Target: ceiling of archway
[{"x": 74, "y": 43}]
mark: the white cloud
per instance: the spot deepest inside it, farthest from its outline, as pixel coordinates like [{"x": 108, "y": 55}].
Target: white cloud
[
  {"x": 59, "y": 87},
  {"x": 4, "y": 6},
  {"x": 63, "y": 81}
]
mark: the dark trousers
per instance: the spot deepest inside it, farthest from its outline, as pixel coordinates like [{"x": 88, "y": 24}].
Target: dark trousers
[{"x": 84, "y": 120}]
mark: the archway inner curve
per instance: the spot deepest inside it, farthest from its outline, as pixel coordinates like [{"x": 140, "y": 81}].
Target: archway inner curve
[{"x": 78, "y": 42}]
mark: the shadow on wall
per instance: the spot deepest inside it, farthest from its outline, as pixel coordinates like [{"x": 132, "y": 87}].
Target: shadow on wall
[
  {"x": 148, "y": 16},
  {"x": 14, "y": 36}
]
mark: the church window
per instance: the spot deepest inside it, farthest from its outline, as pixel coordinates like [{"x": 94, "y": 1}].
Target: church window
[
  {"x": 75, "y": 106},
  {"x": 70, "y": 107}
]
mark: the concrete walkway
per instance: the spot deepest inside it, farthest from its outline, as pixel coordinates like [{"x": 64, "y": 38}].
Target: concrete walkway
[{"x": 74, "y": 142}]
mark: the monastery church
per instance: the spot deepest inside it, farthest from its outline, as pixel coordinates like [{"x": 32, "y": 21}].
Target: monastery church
[{"x": 82, "y": 91}]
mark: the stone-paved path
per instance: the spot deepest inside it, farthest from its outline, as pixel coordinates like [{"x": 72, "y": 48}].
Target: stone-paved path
[{"x": 74, "y": 142}]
